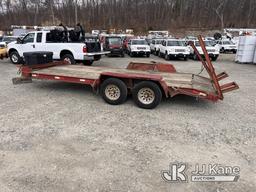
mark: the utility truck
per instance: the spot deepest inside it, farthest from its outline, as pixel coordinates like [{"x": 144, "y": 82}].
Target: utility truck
[{"x": 65, "y": 45}]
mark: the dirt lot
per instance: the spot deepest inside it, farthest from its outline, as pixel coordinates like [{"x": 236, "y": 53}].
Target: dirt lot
[{"x": 63, "y": 138}]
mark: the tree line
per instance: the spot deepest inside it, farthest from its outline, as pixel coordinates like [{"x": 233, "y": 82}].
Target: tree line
[{"x": 140, "y": 15}]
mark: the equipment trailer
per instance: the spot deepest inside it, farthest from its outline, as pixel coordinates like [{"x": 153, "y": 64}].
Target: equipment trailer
[{"x": 147, "y": 82}]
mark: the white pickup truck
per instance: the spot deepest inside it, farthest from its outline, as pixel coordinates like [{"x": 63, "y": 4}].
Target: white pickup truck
[
  {"x": 138, "y": 47},
  {"x": 227, "y": 46},
  {"x": 79, "y": 51},
  {"x": 212, "y": 50},
  {"x": 174, "y": 48},
  {"x": 155, "y": 45}
]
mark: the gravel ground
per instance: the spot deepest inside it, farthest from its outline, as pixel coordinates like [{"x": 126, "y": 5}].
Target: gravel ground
[{"x": 59, "y": 137}]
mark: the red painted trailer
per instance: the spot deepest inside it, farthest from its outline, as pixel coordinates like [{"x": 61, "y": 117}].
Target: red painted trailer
[{"x": 147, "y": 82}]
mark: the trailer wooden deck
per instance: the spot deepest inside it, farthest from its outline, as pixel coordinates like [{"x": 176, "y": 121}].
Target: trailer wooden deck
[{"x": 174, "y": 80}]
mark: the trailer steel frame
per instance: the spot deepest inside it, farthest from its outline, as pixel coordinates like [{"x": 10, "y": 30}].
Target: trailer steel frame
[{"x": 170, "y": 81}]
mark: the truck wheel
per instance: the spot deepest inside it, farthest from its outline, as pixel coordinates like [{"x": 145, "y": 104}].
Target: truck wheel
[
  {"x": 166, "y": 56},
  {"x": 68, "y": 58},
  {"x": 185, "y": 58},
  {"x": 148, "y": 55},
  {"x": 88, "y": 62},
  {"x": 97, "y": 57},
  {"x": 214, "y": 58},
  {"x": 195, "y": 57},
  {"x": 147, "y": 95},
  {"x": 114, "y": 91},
  {"x": 15, "y": 58}
]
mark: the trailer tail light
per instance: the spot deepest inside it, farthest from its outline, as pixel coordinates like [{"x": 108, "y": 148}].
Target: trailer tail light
[{"x": 84, "y": 49}]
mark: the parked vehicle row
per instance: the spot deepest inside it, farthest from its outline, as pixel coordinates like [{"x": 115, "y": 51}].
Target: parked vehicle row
[
  {"x": 180, "y": 49},
  {"x": 73, "y": 46}
]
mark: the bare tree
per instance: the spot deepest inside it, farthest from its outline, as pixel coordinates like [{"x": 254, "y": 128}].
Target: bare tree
[{"x": 139, "y": 15}]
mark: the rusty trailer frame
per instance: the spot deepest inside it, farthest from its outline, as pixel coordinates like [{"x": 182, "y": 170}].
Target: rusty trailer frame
[{"x": 165, "y": 76}]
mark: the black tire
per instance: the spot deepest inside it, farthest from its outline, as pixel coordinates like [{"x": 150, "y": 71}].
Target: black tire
[
  {"x": 119, "y": 86},
  {"x": 131, "y": 54},
  {"x": 148, "y": 54},
  {"x": 144, "y": 101},
  {"x": 97, "y": 57},
  {"x": 185, "y": 58},
  {"x": 69, "y": 58},
  {"x": 88, "y": 62},
  {"x": 195, "y": 57},
  {"x": 15, "y": 58},
  {"x": 222, "y": 50},
  {"x": 155, "y": 52},
  {"x": 166, "y": 57},
  {"x": 214, "y": 58}
]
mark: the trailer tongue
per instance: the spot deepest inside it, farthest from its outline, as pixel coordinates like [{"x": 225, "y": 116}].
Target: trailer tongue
[{"x": 147, "y": 82}]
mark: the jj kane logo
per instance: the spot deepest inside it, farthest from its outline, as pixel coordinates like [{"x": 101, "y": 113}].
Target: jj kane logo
[{"x": 178, "y": 172}]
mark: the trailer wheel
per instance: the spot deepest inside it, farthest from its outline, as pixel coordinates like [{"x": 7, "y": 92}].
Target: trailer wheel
[
  {"x": 147, "y": 95},
  {"x": 114, "y": 91},
  {"x": 68, "y": 58},
  {"x": 15, "y": 58}
]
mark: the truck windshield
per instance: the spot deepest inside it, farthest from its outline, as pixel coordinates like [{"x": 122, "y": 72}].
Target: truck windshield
[
  {"x": 91, "y": 39},
  {"x": 9, "y": 39},
  {"x": 207, "y": 44},
  {"x": 158, "y": 42},
  {"x": 115, "y": 41},
  {"x": 227, "y": 43},
  {"x": 176, "y": 43},
  {"x": 139, "y": 42}
]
